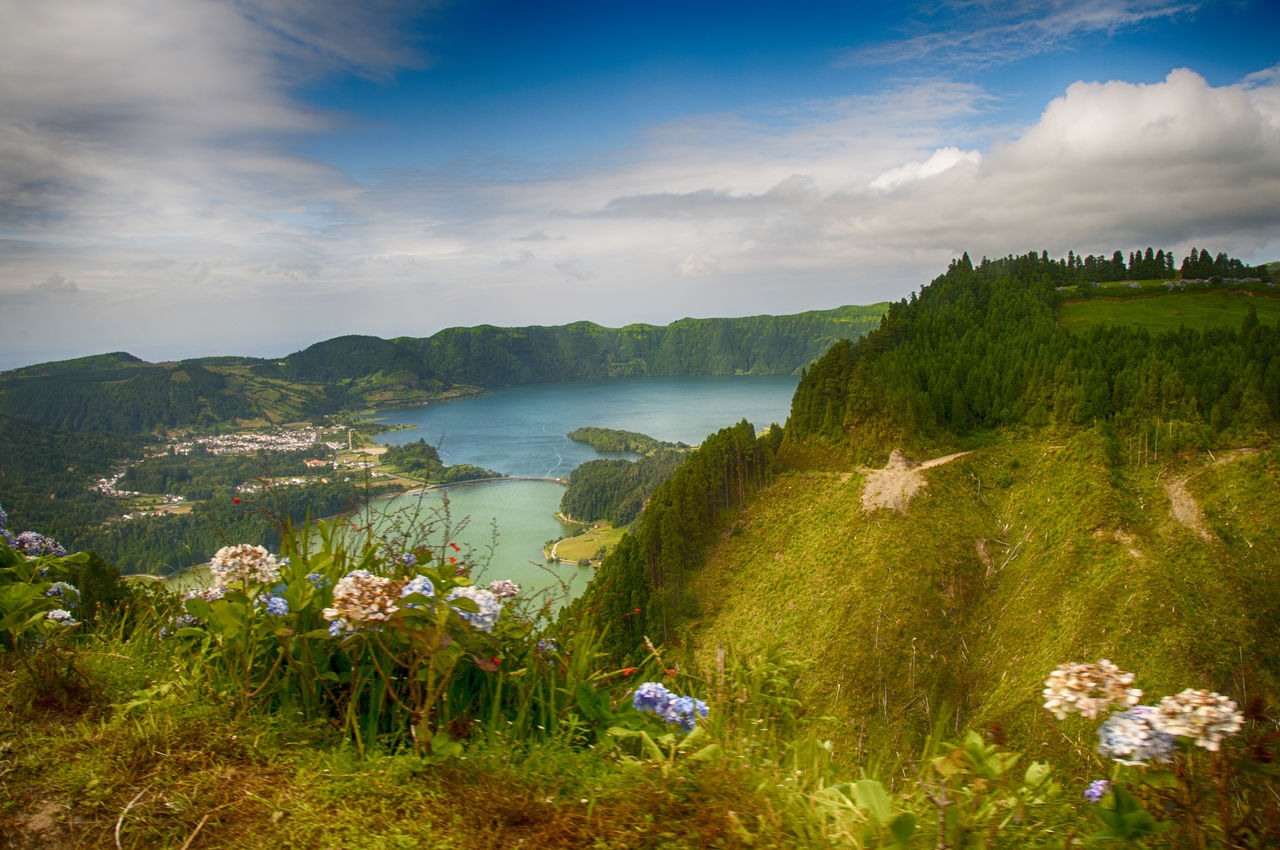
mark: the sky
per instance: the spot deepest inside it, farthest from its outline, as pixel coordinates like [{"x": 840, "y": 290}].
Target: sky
[{"x": 184, "y": 178}]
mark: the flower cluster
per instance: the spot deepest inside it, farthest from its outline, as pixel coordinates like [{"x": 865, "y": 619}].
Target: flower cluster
[
  {"x": 1089, "y": 689},
  {"x": 420, "y": 585},
  {"x": 1207, "y": 717},
  {"x": 653, "y": 697},
  {"x": 4, "y": 517},
  {"x": 504, "y": 589},
  {"x": 485, "y": 600},
  {"x": 242, "y": 565},
  {"x": 67, "y": 593},
  {"x": 275, "y": 603},
  {"x": 1097, "y": 790},
  {"x": 61, "y": 616},
  {"x": 34, "y": 545},
  {"x": 1133, "y": 737},
  {"x": 362, "y": 599}
]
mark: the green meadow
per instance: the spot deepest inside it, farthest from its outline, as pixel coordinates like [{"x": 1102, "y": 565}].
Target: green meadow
[{"x": 1170, "y": 311}]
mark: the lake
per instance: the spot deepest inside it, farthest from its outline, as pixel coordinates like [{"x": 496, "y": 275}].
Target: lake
[{"x": 521, "y": 431}]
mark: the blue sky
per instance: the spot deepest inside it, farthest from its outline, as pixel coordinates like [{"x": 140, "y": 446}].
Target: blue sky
[{"x": 190, "y": 177}]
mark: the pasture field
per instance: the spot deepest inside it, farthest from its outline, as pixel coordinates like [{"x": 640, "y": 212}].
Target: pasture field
[{"x": 1170, "y": 311}]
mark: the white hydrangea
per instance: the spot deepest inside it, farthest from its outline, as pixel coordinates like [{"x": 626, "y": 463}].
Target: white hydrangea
[
  {"x": 1207, "y": 717},
  {"x": 243, "y": 564},
  {"x": 361, "y": 599},
  {"x": 504, "y": 589},
  {"x": 1089, "y": 689}
]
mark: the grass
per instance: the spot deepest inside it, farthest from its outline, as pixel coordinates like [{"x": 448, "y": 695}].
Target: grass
[
  {"x": 1026, "y": 553},
  {"x": 587, "y": 544},
  {"x": 1170, "y": 311}
]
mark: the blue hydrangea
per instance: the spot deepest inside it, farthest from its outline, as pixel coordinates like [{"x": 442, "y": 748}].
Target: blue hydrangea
[
  {"x": 1130, "y": 738},
  {"x": 277, "y": 606},
  {"x": 653, "y": 697},
  {"x": 548, "y": 647},
  {"x": 1097, "y": 790},
  {"x": 420, "y": 585},
  {"x": 66, "y": 592},
  {"x": 317, "y": 580},
  {"x": 409, "y": 559},
  {"x": 484, "y": 619},
  {"x": 4, "y": 517},
  {"x": 337, "y": 628},
  {"x": 33, "y": 545}
]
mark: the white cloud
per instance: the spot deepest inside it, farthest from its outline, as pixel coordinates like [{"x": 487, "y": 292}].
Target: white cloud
[
  {"x": 942, "y": 160},
  {"x": 981, "y": 34}
]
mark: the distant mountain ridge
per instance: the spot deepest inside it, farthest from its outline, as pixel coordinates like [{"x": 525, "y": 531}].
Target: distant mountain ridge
[{"x": 119, "y": 393}]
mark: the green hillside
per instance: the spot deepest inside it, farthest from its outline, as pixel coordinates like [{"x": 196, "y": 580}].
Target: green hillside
[{"x": 120, "y": 394}]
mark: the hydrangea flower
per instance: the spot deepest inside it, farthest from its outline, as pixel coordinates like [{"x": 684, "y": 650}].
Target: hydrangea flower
[
  {"x": 419, "y": 584},
  {"x": 1133, "y": 738},
  {"x": 276, "y": 605},
  {"x": 409, "y": 559},
  {"x": 66, "y": 592},
  {"x": 504, "y": 589},
  {"x": 243, "y": 564},
  {"x": 1097, "y": 790},
  {"x": 61, "y": 616},
  {"x": 362, "y": 599},
  {"x": 317, "y": 580},
  {"x": 33, "y": 544},
  {"x": 4, "y": 517},
  {"x": 653, "y": 697},
  {"x": 489, "y": 606},
  {"x": 1207, "y": 717},
  {"x": 1089, "y": 689},
  {"x": 548, "y": 647}
]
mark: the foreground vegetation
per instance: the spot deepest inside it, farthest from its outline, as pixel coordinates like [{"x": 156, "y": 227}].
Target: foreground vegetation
[{"x": 378, "y": 697}]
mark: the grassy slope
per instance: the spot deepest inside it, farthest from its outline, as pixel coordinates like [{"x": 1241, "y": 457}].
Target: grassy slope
[
  {"x": 902, "y": 614},
  {"x": 1170, "y": 311}
]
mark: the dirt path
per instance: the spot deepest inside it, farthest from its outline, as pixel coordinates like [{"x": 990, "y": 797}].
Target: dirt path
[
  {"x": 894, "y": 486},
  {"x": 1183, "y": 505}
]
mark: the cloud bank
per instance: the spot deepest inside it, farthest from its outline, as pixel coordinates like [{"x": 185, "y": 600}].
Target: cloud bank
[{"x": 152, "y": 198}]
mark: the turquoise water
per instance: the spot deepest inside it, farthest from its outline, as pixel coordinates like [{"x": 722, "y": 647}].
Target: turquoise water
[{"x": 521, "y": 431}]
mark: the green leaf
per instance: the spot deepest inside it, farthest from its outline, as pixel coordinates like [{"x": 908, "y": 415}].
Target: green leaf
[
  {"x": 1037, "y": 773},
  {"x": 870, "y": 795},
  {"x": 902, "y": 827},
  {"x": 708, "y": 753}
]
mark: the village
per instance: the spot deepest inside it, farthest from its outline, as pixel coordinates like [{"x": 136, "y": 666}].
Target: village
[{"x": 345, "y": 459}]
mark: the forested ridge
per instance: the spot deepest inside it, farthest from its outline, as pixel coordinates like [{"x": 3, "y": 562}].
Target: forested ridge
[
  {"x": 119, "y": 393},
  {"x": 978, "y": 351},
  {"x": 981, "y": 348}
]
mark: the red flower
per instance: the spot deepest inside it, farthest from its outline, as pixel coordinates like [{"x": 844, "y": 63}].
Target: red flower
[
  {"x": 456, "y": 547},
  {"x": 627, "y": 671},
  {"x": 636, "y": 611},
  {"x": 496, "y": 661},
  {"x": 670, "y": 672},
  {"x": 235, "y": 500},
  {"x": 453, "y": 560}
]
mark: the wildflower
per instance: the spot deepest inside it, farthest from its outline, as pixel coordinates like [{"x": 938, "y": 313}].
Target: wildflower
[
  {"x": 1097, "y": 790},
  {"x": 243, "y": 564},
  {"x": 489, "y": 606},
  {"x": 547, "y": 647},
  {"x": 235, "y": 500},
  {"x": 361, "y": 599},
  {"x": 504, "y": 589},
  {"x": 66, "y": 592},
  {"x": 1089, "y": 689},
  {"x": 456, "y": 547},
  {"x": 1132, "y": 738},
  {"x": 1207, "y": 717},
  {"x": 453, "y": 560},
  {"x": 627, "y": 671},
  {"x": 61, "y": 617}
]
